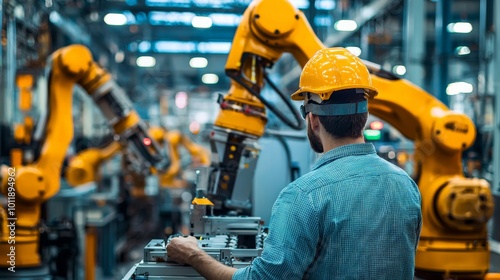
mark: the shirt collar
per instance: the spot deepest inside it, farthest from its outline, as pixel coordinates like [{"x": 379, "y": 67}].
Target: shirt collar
[{"x": 344, "y": 151}]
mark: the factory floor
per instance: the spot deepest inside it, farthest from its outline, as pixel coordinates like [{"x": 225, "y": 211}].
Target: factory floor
[{"x": 137, "y": 253}]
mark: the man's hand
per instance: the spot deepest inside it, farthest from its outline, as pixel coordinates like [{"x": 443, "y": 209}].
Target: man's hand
[{"x": 183, "y": 249}]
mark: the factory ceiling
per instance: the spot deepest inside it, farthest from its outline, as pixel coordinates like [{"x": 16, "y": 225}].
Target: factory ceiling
[{"x": 120, "y": 31}]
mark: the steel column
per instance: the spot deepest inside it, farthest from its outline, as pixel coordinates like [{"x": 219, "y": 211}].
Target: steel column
[
  {"x": 442, "y": 50},
  {"x": 10, "y": 73},
  {"x": 414, "y": 40}
]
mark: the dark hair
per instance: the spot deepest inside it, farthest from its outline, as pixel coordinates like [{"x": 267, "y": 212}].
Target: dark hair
[{"x": 346, "y": 125}]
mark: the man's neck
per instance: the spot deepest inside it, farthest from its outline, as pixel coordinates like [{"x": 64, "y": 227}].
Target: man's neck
[{"x": 333, "y": 143}]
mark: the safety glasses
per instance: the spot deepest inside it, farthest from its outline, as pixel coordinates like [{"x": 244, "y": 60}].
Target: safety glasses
[{"x": 303, "y": 112}]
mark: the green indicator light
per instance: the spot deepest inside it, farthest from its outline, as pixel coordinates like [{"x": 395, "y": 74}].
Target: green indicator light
[{"x": 372, "y": 134}]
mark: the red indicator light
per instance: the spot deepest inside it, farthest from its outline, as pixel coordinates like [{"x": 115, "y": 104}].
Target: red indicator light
[{"x": 376, "y": 125}]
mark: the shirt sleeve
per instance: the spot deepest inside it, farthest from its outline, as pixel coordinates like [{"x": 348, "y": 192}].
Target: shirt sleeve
[{"x": 291, "y": 244}]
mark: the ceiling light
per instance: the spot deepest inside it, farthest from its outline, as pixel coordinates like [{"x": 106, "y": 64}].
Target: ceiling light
[
  {"x": 174, "y": 47},
  {"x": 324, "y": 4},
  {"x": 209, "y": 79},
  {"x": 201, "y": 22},
  {"x": 198, "y": 62},
  {"x": 345, "y": 25},
  {"x": 399, "y": 69},
  {"x": 300, "y": 4},
  {"x": 354, "y": 50},
  {"x": 181, "y": 99},
  {"x": 460, "y": 27},
  {"x": 55, "y": 18},
  {"x": 222, "y": 19},
  {"x": 459, "y": 87},
  {"x": 462, "y": 50},
  {"x": 145, "y": 61},
  {"x": 214, "y": 47},
  {"x": 144, "y": 46},
  {"x": 119, "y": 57},
  {"x": 94, "y": 16},
  {"x": 115, "y": 19}
]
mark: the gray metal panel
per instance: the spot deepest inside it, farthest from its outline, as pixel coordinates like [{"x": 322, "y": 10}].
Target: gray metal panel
[{"x": 273, "y": 174}]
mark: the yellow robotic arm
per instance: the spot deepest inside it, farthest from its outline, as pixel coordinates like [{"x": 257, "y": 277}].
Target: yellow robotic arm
[
  {"x": 259, "y": 41},
  {"x": 83, "y": 168},
  {"x": 455, "y": 208},
  {"x": 27, "y": 187},
  {"x": 174, "y": 139}
]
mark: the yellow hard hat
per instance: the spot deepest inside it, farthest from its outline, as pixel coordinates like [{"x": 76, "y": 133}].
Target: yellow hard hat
[{"x": 331, "y": 70}]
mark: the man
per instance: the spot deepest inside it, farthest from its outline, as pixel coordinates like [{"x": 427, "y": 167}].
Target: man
[{"x": 354, "y": 216}]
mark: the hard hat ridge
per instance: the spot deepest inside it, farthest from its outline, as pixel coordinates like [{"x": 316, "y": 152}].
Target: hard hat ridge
[{"x": 331, "y": 70}]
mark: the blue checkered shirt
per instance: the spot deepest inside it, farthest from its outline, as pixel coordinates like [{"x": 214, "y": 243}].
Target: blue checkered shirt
[{"x": 354, "y": 216}]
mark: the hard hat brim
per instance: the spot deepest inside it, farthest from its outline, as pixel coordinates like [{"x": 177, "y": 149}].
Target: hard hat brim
[{"x": 325, "y": 94}]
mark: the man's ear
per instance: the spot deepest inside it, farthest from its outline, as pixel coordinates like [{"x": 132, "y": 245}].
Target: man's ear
[{"x": 314, "y": 122}]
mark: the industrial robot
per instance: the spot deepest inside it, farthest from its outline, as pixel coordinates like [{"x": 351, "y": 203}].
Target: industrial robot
[
  {"x": 455, "y": 209},
  {"x": 27, "y": 186},
  {"x": 84, "y": 167}
]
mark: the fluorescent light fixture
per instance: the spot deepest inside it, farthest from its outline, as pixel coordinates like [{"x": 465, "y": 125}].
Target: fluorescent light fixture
[
  {"x": 145, "y": 61},
  {"x": 345, "y": 25},
  {"x": 459, "y": 87},
  {"x": 115, "y": 19},
  {"x": 460, "y": 27},
  {"x": 399, "y": 69},
  {"x": 171, "y": 18},
  {"x": 188, "y": 47},
  {"x": 174, "y": 47},
  {"x": 325, "y": 5},
  {"x": 354, "y": 50},
  {"x": 187, "y": 18},
  {"x": 130, "y": 17},
  {"x": 462, "y": 50},
  {"x": 201, "y": 22},
  {"x": 220, "y": 19},
  {"x": 224, "y": 4},
  {"x": 210, "y": 79},
  {"x": 144, "y": 46},
  {"x": 119, "y": 57},
  {"x": 300, "y": 4},
  {"x": 214, "y": 47},
  {"x": 198, "y": 62}
]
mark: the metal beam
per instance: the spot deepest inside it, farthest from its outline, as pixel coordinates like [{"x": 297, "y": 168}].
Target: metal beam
[
  {"x": 364, "y": 15},
  {"x": 496, "y": 134},
  {"x": 11, "y": 67},
  {"x": 440, "y": 69},
  {"x": 70, "y": 28},
  {"x": 414, "y": 40}
]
